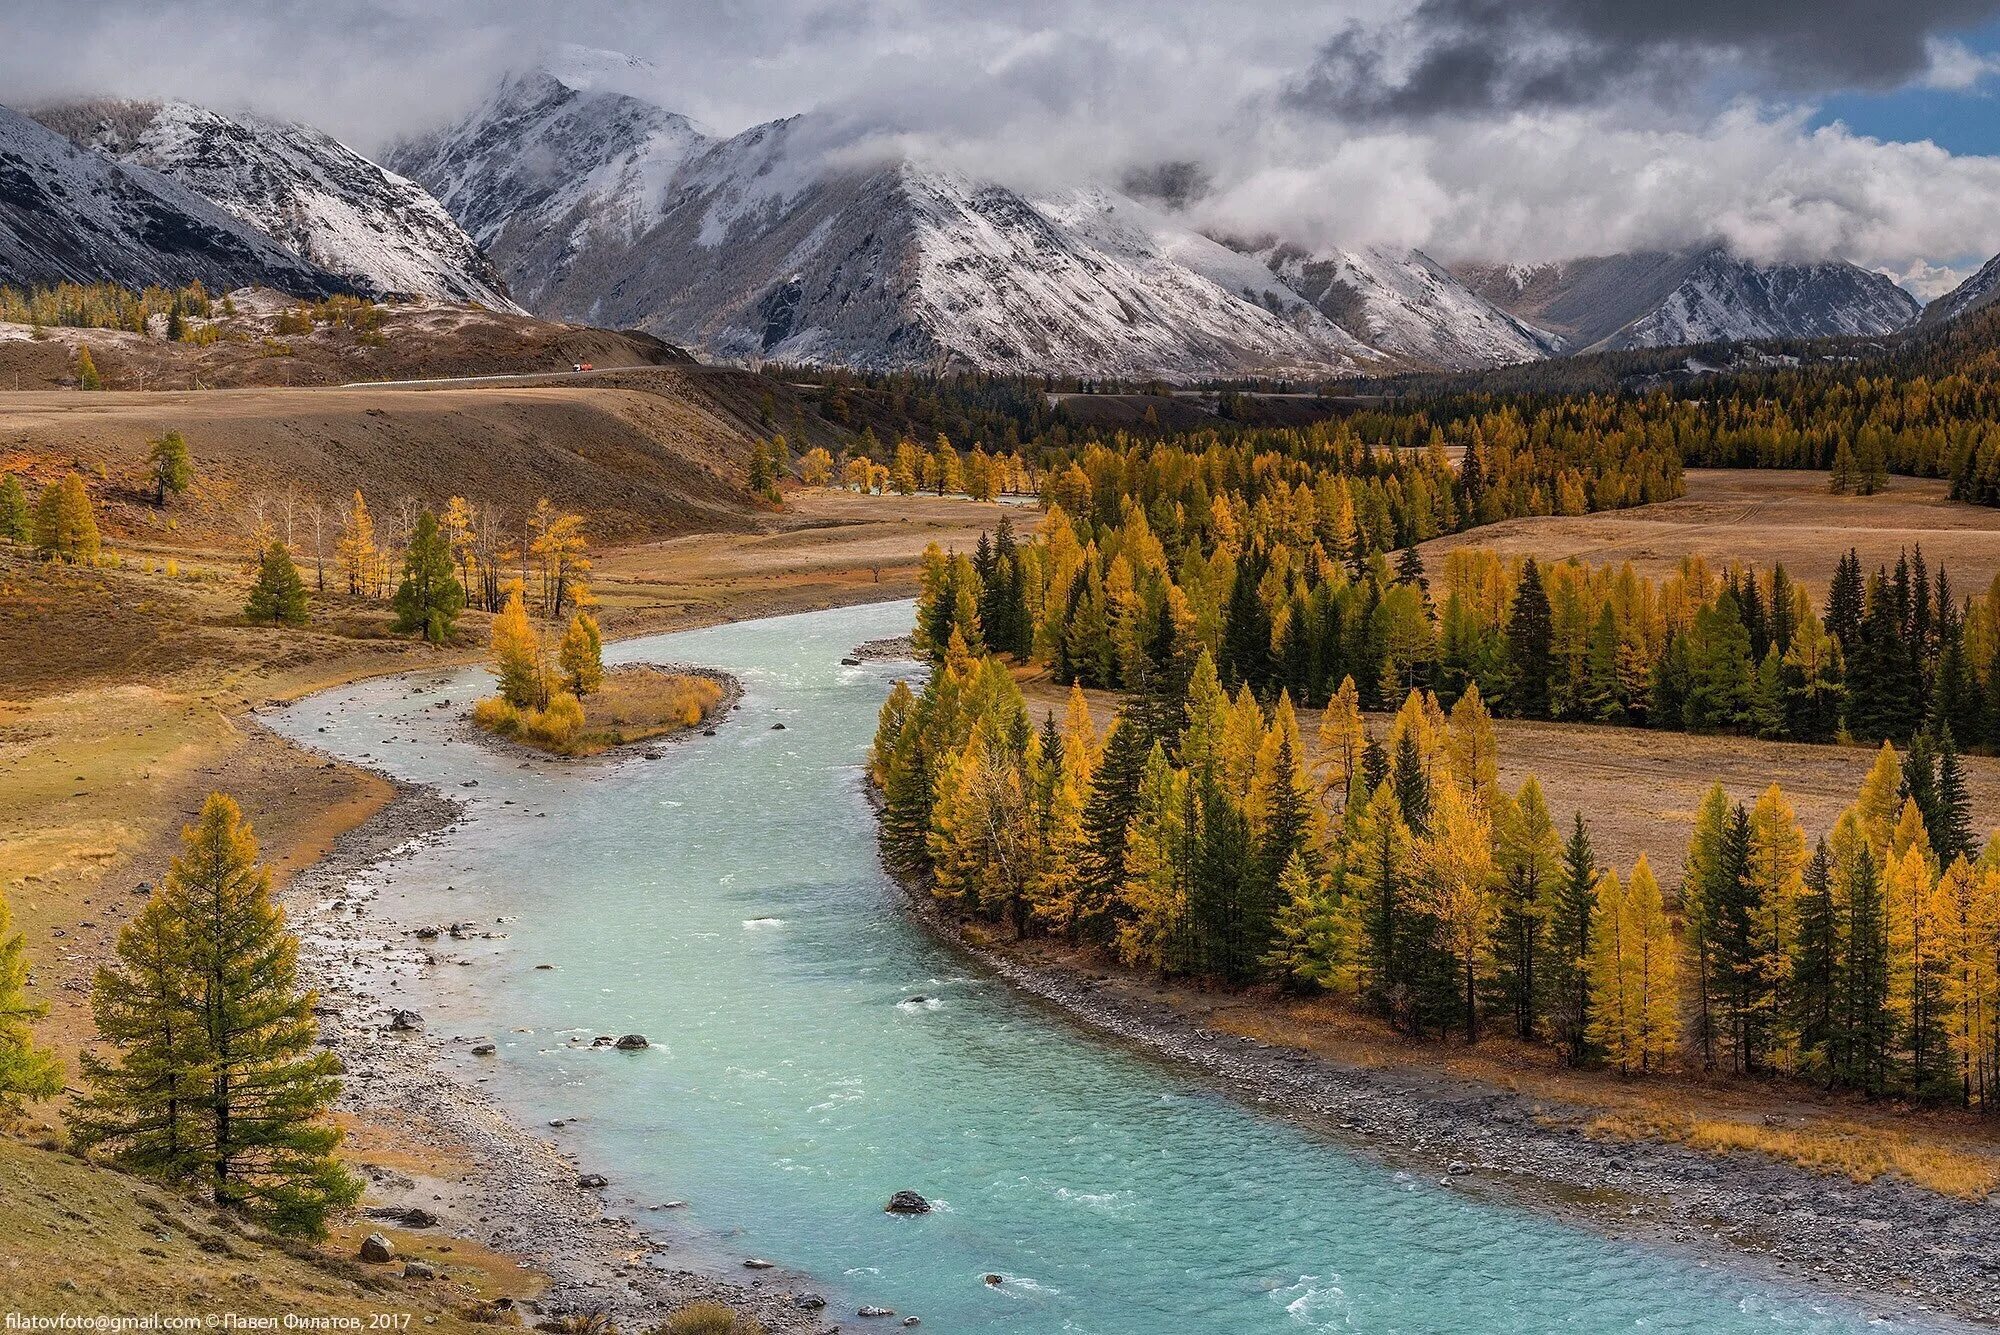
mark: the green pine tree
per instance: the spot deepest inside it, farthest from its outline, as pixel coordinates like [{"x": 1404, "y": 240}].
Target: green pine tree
[
  {"x": 279, "y": 595},
  {"x": 219, "y": 1079},
  {"x": 430, "y": 596},
  {"x": 1571, "y": 902}
]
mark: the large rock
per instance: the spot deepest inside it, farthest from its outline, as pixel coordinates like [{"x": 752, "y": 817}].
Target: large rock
[
  {"x": 406, "y": 1022},
  {"x": 377, "y": 1248},
  {"x": 907, "y": 1202},
  {"x": 419, "y": 1270},
  {"x": 630, "y": 1042}
]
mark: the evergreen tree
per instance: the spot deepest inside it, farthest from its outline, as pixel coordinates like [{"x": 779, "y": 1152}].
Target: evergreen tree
[
  {"x": 279, "y": 595},
  {"x": 1844, "y": 602},
  {"x": 1815, "y": 972},
  {"x": 26, "y": 1070},
  {"x": 219, "y": 1015},
  {"x": 1412, "y": 786},
  {"x": 1530, "y": 637},
  {"x": 1950, "y": 818},
  {"x": 430, "y": 596},
  {"x": 1530, "y": 858},
  {"x": 1571, "y": 906},
  {"x": 1861, "y": 1045},
  {"x": 1114, "y": 797}
]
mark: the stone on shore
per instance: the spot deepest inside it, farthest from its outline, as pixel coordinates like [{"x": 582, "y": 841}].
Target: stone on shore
[
  {"x": 809, "y": 1302},
  {"x": 874, "y": 1311},
  {"x": 377, "y": 1248},
  {"x": 592, "y": 1181},
  {"x": 406, "y": 1022},
  {"x": 907, "y": 1202},
  {"x": 419, "y": 1270}
]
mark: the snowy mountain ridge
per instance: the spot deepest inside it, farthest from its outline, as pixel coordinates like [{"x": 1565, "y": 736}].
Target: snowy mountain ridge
[
  {"x": 779, "y": 242},
  {"x": 304, "y": 189},
  {"x": 69, "y": 214}
]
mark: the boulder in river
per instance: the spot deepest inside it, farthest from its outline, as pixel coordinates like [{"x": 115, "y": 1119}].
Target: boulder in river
[
  {"x": 994, "y": 1280},
  {"x": 483, "y": 1049},
  {"x": 377, "y": 1248},
  {"x": 907, "y": 1202},
  {"x": 872, "y": 1310},
  {"x": 758, "y": 1263},
  {"x": 850, "y": 661},
  {"x": 809, "y": 1302},
  {"x": 777, "y": 727},
  {"x": 592, "y": 1181},
  {"x": 631, "y": 1042}
]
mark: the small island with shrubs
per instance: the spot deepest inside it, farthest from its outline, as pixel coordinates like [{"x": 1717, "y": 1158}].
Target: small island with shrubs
[{"x": 559, "y": 698}]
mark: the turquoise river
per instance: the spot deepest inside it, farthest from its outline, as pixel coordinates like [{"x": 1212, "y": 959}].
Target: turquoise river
[{"x": 726, "y": 901}]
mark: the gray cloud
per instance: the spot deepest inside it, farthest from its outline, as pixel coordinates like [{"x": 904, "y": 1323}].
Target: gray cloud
[
  {"x": 1461, "y": 57},
  {"x": 1529, "y": 130}
]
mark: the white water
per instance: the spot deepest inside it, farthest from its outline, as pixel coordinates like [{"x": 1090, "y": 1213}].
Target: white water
[{"x": 814, "y": 1052}]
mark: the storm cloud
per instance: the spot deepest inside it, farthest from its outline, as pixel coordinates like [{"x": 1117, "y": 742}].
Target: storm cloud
[
  {"x": 1459, "y": 57},
  {"x": 1529, "y": 130}
]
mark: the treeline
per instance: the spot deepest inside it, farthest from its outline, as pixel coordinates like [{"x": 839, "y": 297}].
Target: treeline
[
  {"x": 1201, "y": 838},
  {"x": 1741, "y": 652},
  {"x": 104, "y": 305}
]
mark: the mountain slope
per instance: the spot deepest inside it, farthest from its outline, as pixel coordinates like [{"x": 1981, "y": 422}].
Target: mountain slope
[
  {"x": 1670, "y": 298},
  {"x": 1974, "y": 294},
  {"x": 304, "y": 189},
  {"x": 1410, "y": 306},
  {"x": 775, "y": 243},
  {"x": 71, "y": 215}
]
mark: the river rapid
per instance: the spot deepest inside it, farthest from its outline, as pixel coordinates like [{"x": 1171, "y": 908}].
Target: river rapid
[{"x": 814, "y": 1050}]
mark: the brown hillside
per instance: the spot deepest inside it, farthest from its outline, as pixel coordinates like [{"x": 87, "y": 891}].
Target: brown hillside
[
  {"x": 396, "y": 341},
  {"x": 641, "y": 464}
]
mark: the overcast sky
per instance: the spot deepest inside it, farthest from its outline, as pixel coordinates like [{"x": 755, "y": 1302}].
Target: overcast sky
[{"x": 1509, "y": 129}]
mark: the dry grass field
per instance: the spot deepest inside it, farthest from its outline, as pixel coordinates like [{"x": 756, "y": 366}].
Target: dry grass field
[{"x": 1761, "y": 517}]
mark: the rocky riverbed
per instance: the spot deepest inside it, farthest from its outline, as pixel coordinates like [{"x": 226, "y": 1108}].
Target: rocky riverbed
[
  {"x": 525, "y": 1196},
  {"x": 1896, "y": 1249}
]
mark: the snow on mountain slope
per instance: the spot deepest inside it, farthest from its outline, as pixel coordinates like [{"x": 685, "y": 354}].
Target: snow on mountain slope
[
  {"x": 306, "y": 190},
  {"x": 1670, "y": 298},
  {"x": 779, "y": 242},
  {"x": 1409, "y": 306},
  {"x": 70, "y": 214},
  {"x": 1726, "y": 299},
  {"x": 1975, "y": 293},
  {"x": 554, "y": 164}
]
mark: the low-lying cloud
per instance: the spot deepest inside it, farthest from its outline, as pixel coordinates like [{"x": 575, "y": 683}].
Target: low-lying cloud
[{"x": 1515, "y": 129}]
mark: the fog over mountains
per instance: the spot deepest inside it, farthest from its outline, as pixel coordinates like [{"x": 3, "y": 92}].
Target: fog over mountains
[{"x": 568, "y": 193}]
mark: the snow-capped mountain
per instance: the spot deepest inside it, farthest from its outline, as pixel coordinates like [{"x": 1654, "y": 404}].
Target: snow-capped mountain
[
  {"x": 306, "y": 190},
  {"x": 70, "y": 214},
  {"x": 1975, "y": 293},
  {"x": 1669, "y": 298},
  {"x": 1408, "y": 305},
  {"x": 783, "y": 242}
]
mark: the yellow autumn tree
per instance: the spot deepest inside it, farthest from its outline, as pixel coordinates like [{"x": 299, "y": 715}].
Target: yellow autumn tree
[
  {"x": 1343, "y": 737},
  {"x": 816, "y": 467},
  {"x": 1157, "y": 863},
  {"x": 1454, "y": 885},
  {"x": 518, "y": 654},
  {"x": 356, "y": 551},
  {"x": 1473, "y": 747}
]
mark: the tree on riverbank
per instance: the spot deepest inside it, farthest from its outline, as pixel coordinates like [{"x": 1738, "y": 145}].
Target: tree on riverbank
[
  {"x": 581, "y": 655},
  {"x": 430, "y": 597},
  {"x": 217, "y": 1078},
  {"x": 1199, "y": 845}
]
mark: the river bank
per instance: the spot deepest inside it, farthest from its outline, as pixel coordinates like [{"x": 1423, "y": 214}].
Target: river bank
[
  {"x": 516, "y": 1193},
  {"x": 1894, "y": 1248}
]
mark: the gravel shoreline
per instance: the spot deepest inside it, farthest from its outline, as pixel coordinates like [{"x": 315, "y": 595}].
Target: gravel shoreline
[
  {"x": 526, "y": 1198},
  {"x": 1895, "y": 1250}
]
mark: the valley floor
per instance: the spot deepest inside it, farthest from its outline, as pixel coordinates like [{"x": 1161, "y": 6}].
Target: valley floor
[{"x": 127, "y": 695}]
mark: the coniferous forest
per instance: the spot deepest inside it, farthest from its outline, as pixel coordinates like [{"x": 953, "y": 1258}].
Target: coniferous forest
[{"x": 1204, "y": 836}]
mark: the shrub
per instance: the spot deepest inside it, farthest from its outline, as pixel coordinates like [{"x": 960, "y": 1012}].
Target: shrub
[{"x": 709, "y": 1319}]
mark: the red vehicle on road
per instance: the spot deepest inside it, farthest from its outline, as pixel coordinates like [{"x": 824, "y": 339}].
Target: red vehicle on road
[{"x": 581, "y": 366}]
